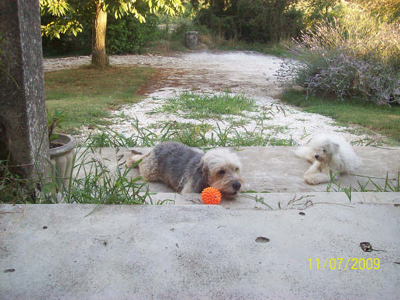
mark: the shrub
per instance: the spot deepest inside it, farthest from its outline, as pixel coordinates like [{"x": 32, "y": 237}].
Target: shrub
[
  {"x": 128, "y": 35},
  {"x": 181, "y": 26},
  {"x": 220, "y": 24},
  {"x": 68, "y": 45},
  {"x": 345, "y": 76},
  {"x": 359, "y": 34},
  {"x": 124, "y": 35},
  {"x": 267, "y": 21},
  {"x": 355, "y": 55},
  {"x": 252, "y": 21}
]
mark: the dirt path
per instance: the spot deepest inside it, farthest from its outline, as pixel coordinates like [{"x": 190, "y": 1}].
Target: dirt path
[
  {"x": 245, "y": 73},
  {"x": 239, "y": 72}
]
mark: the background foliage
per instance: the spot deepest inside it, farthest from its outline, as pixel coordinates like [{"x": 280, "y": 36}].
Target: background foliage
[
  {"x": 66, "y": 19},
  {"x": 352, "y": 53},
  {"x": 345, "y": 48},
  {"x": 252, "y": 21}
]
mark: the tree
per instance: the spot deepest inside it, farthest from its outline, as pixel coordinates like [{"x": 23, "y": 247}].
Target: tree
[{"x": 66, "y": 17}]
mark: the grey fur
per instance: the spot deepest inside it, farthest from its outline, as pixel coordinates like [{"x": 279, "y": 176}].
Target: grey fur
[
  {"x": 190, "y": 170},
  {"x": 177, "y": 164}
]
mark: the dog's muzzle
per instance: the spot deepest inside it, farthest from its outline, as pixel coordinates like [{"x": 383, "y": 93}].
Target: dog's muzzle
[{"x": 236, "y": 185}]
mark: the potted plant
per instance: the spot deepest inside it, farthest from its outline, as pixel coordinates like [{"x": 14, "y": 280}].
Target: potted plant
[{"x": 62, "y": 151}]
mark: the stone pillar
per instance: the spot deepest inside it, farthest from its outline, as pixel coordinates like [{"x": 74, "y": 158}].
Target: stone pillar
[
  {"x": 23, "y": 123},
  {"x": 191, "y": 39}
]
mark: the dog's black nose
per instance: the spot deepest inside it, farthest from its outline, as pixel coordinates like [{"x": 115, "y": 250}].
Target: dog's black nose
[
  {"x": 316, "y": 156},
  {"x": 236, "y": 185}
]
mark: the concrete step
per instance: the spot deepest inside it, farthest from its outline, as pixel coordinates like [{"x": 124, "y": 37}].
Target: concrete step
[
  {"x": 279, "y": 201},
  {"x": 71, "y": 251}
]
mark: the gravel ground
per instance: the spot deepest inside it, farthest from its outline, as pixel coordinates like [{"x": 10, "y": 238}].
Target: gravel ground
[{"x": 247, "y": 73}]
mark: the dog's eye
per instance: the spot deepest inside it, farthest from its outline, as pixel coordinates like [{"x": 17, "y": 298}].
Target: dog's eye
[
  {"x": 221, "y": 172},
  {"x": 237, "y": 170},
  {"x": 324, "y": 150}
]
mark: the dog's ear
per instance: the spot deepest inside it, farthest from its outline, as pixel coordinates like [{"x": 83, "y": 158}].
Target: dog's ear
[
  {"x": 335, "y": 147},
  {"x": 206, "y": 172},
  {"x": 200, "y": 178}
]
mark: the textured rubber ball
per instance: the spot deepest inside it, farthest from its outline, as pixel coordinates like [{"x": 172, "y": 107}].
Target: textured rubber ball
[{"x": 211, "y": 195}]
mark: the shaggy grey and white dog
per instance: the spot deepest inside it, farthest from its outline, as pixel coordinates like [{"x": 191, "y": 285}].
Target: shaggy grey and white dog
[{"x": 189, "y": 170}]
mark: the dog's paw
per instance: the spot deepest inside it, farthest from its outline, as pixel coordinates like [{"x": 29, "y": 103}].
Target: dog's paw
[
  {"x": 129, "y": 162},
  {"x": 311, "y": 160},
  {"x": 311, "y": 181},
  {"x": 317, "y": 178},
  {"x": 132, "y": 160}
]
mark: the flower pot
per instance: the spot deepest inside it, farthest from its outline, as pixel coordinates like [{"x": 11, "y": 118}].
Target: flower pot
[{"x": 62, "y": 152}]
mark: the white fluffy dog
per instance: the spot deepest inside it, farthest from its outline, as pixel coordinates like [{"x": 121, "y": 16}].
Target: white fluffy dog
[
  {"x": 327, "y": 153},
  {"x": 190, "y": 170}
]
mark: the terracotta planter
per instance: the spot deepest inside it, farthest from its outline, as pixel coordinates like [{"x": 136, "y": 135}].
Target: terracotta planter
[{"x": 61, "y": 158}]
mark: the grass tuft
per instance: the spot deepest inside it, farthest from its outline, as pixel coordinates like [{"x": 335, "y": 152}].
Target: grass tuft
[
  {"x": 191, "y": 135},
  {"x": 90, "y": 181},
  {"x": 203, "y": 106},
  {"x": 371, "y": 185}
]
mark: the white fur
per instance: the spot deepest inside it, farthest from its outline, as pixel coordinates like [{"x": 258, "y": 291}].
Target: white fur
[
  {"x": 334, "y": 154},
  {"x": 217, "y": 158}
]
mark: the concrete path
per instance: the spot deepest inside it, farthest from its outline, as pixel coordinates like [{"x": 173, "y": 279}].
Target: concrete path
[{"x": 258, "y": 246}]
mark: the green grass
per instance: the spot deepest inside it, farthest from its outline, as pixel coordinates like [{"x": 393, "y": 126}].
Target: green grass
[
  {"x": 195, "y": 106},
  {"x": 380, "y": 119},
  {"x": 86, "y": 95},
  {"x": 182, "y": 126},
  {"x": 192, "y": 135},
  {"x": 90, "y": 181}
]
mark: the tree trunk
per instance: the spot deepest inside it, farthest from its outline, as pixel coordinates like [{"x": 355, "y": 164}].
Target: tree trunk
[{"x": 99, "y": 56}]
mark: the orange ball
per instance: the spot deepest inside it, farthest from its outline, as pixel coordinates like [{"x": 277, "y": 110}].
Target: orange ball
[{"x": 211, "y": 195}]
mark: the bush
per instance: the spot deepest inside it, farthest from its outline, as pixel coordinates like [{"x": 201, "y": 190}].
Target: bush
[
  {"x": 68, "y": 44},
  {"x": 253, "y": 21},
  {"x": 345, "y": 77},
  {"x": 267, "y": 21},
  {"x": 128, "y": 35},
  {"x": 180, "y": 27},
  {"x": 221, "y": 24},
  {"x": 124, "y": 35},
  {"x": 355, "y": 55}
]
